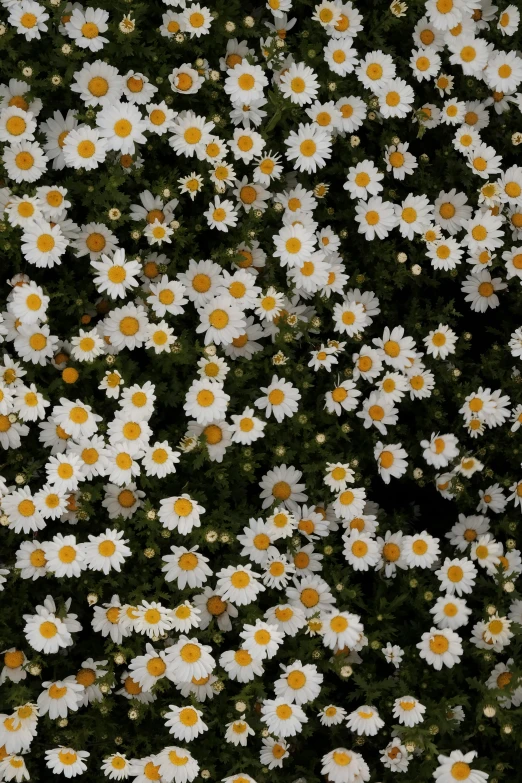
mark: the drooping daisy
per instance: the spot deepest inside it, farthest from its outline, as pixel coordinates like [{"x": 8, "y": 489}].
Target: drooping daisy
[
  {"x": 456, "y": 767},
  {"x": 408, "y": 710},
  {"x": 67, "y": 761},
  {"x": 342, "y": 765},
  {"x": 185, "y": 723}
]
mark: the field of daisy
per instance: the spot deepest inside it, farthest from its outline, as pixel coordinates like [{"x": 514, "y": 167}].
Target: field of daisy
[{"x": 260, "y": 391}]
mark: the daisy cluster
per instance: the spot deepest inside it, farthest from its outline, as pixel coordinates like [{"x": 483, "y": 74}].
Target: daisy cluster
[{"x": 258, "y": 319}]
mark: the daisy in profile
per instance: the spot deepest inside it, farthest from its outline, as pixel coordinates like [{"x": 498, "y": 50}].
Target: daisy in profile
[
  {"x": 175, "y": 764},
  {"x": 13, "y": 768},
  {"x": 238, "y": 732},
  {"x": 408, "y": 710}
]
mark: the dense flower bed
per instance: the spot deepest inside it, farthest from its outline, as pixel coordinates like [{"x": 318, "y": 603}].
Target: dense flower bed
[{"x": 260, "y": 391}]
